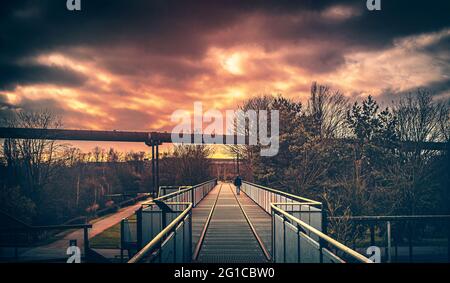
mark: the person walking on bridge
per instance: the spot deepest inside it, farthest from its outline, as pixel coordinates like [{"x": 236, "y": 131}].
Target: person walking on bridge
[{"x": 238, "y": 184}]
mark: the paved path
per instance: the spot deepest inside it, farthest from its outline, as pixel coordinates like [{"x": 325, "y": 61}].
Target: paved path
[{"x": 57, "y": 249}]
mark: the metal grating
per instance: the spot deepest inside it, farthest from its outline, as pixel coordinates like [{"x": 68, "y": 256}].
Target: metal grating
[
  {"x": 261, "y": 220},
  {"x": 229, "y": 238}
]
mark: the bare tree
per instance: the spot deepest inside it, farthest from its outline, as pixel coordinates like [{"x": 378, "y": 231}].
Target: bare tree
[
  {"x": 189, "y": 164},
  {"x": 246, "y": 153},
  {"x": 328, "y": 108},
  {"x": 419, "y": 118},
  {"x": 31, "y": 161},
  {"x": 444, "y": 120},
  {"x": 98, "y": 154}
]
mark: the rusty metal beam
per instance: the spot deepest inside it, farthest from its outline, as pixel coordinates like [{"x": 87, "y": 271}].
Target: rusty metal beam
[
  {"x": 111, "y": 136},
  {"x": 164, "y": 137},
  {"x": 78, "y": 135}
]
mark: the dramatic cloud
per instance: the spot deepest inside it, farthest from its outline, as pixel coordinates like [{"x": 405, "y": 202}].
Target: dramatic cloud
[{"x": 129, "y": 64}]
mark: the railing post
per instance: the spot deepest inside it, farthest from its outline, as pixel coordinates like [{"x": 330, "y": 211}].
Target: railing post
[
  {"x": 410, "y": 239},
  {"x": 190, "y": 235},
  {"x": 175, "y": 247},
  {"x": 322, "y": 243},
  {"x": 299, "y": 249},
  {"x": 157, "y": 164},
  {"x": 139, "y": 228},
  {"x": 324, "y": 221},
  {"x": 273, "y": 236},
  {"x": 163, "y": 219},
  {"x": 122, "y": 233},
  {"x": 388, "y": 224},
  {"x": 448, "y": 240},
  {"x": 396, "y": 248},
  {"x": 86, "y": 243},
  {"x": 155, "y": 190},
  {"x": 204, "y": 190},
  {"x": 284, "y": 239}
]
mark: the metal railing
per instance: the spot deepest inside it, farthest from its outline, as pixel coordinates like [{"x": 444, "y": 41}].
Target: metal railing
[
  {"x": 299, "y": 228},
  {"x": 295, "y": 241},
  {"x": 192, "y": 194},
  {"x": 296, "y": 227},
  {"x": 307, "y": 210},
  {"x": 155, "y": 216},
  {"x": 34, "y": 237},
  {"x": 173, "y": 244},
  {"x": 165, "y": 190},
  {"x": 399, "y": 235},
  {"x": 264, "y": 196}
]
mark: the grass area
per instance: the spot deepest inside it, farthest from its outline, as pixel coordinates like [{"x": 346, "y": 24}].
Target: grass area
[{"x": 108, "y": 239}]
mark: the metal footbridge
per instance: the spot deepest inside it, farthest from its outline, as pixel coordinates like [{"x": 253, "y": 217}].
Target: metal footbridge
[{"x": 211, "y": 223}]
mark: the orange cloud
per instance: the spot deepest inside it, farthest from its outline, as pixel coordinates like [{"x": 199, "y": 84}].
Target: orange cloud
[{"x": 133, "y": 73}]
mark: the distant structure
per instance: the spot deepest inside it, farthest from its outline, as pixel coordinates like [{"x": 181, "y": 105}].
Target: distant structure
[{"x": 223, "y": 169}]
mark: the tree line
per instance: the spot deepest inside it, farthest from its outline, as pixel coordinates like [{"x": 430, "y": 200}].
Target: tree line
[
  {"x": 47, "y": 182},
  {"x": 337, "y": 151}
]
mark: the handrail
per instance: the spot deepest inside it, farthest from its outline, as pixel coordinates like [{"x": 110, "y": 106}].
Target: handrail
[
  {"x": 391, "y": 217},
  {"x": 174, "y": 193},
  {"x": 14, "y": 219},
  {"x": 166, "y": 196},
  {"x": 49, "y": 227},
  {"x": 321, "y": 235},
  {"x": 138, "y": 256},
  {"x": 310, "y": 201},
  {"x": 186, "y": 198},
  {"x": 27, "y": 227},
  {"x": 189, "y": 188}
]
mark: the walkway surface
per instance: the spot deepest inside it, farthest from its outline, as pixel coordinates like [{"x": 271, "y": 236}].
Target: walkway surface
[{"x": 229, "y": 237}]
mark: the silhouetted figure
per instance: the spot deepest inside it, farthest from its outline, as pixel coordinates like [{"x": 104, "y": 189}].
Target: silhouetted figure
[{"x": 238, "y": 184}]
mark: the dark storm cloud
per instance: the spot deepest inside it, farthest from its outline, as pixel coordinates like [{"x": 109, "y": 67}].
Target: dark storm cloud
[
  {"x": 318, "y": 61},
  {"x": 37, "y": 105},
  {"x": 13, "y": 75},
  {"x": 438, "y": 87},
  {"x": 54, "y": 106},
  {"x": 434, "y": 88},
  {"x": 146, "y": 65},
  {"x": 439, "y": 47},
  {"x": 402, "y": 18},
  {"x": 8, "y": 110},
  {"x": 186, "y": 29},
  {"x": 165, "y": 27}
]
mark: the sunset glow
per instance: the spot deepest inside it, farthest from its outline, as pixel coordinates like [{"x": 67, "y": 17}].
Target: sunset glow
[{"x": 135, "y": 81}]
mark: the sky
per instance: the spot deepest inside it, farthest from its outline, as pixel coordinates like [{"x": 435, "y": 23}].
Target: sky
[{"x": 128, "y": 65}]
